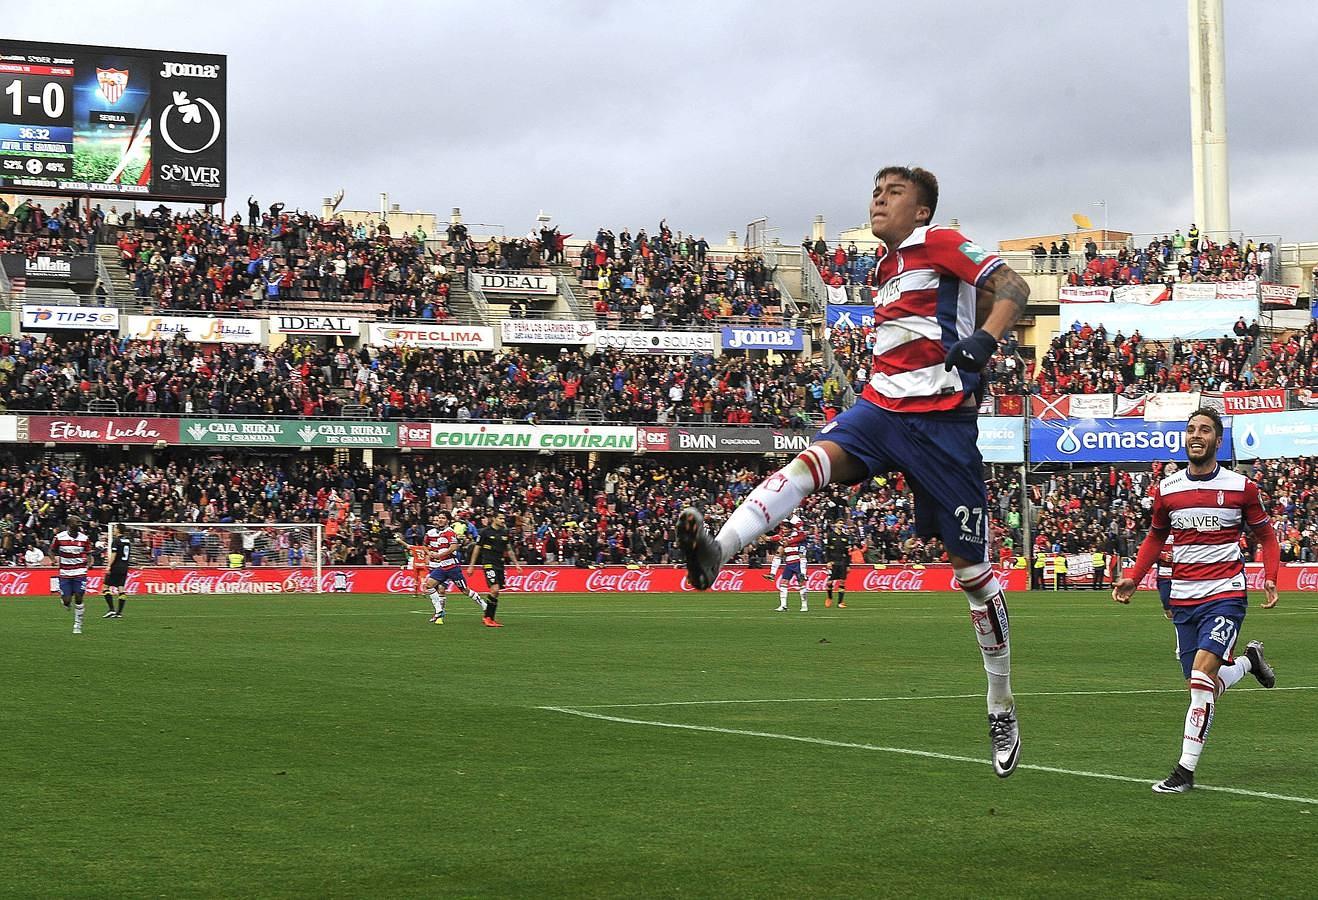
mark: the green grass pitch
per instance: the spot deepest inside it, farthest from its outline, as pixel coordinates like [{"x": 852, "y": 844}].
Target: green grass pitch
[{"x": 341, "y": 746}]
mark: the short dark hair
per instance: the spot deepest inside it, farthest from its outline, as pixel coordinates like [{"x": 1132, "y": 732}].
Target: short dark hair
[
  {"x": 923, "y": 179},
  {"x": 1212, "y": 415}
]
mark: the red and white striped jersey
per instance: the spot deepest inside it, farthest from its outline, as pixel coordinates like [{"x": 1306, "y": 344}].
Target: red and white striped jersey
[
  {"x": 1206, "y": 516},
  {"x": 790, "y": 547},
  {"x": 71, "y": 552},
  {"x": 924, "y": 302},
  {"x": 443, "y": 547}
]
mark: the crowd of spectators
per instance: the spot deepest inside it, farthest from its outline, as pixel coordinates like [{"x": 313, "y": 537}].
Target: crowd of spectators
[
  {"x": 1168, "y": 260},
  {"x": 30, "y": 228}
]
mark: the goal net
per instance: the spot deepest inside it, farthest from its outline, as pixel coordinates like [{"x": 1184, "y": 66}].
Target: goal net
[{"x": 228, "y": 546}]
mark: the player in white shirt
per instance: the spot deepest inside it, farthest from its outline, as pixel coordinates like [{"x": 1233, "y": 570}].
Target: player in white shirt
[{"x": 71, "y": 551}]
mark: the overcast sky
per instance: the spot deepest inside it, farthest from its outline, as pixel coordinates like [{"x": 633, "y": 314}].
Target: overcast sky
[{"x": 716, "y": 113}]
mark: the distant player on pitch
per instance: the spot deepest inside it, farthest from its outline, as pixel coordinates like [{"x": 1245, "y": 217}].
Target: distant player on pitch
[
  {"x": 838, "y": 551},
  {"x": 445, "y": 567},
  {"x": 917, "y": 415},
  {"x": 495, "y": 545},
  {"x": 791, "y": 549},
  {"x": 1206, "y": 507},
  {"x": 72, "y": 551},
  {"x": 116, "y": 574}
]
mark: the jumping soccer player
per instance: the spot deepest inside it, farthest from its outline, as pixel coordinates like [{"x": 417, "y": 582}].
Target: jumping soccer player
[
  {"x": 445, "y": 567},
  {"x": 917, "y": 415},
  {"x": 838, "y": 550},
  {"x": 496, "y": 545},
  {"x": 793, "y": 570},
  {"x": 1206, "y": 507},
  {"x": 116, "y": 574},
  {"x": 72, "y": 551}
]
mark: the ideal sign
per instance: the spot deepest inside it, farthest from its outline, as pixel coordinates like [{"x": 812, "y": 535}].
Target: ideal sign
[{"x": 515, "y": 283}]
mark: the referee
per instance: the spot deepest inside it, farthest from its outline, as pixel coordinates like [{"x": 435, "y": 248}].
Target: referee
[
  {"x": 838, "y": 551},
  {"x": 116, "y": 574},
  {"x": 494, "y": 546}
]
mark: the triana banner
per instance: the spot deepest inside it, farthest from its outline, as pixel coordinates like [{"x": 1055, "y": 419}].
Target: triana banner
[
  {"x": 658, "y": 342},
  {"x": 50, "y": 269},
  {"x": 547, "y": 331},
  {"x": 436, "y": 337},
  {"x": 1279, "y": 295},
  {"x": 288, "y": 433},
  {"x": 753, "y": 338},
  {"x": 1112, "y": 441},
  {"x": 1188, "y": 319},
  {"x": 1002, "y": 439},
  {"x": 1084, "y": 294},
  {"x": 722, "y": 439},
  {"x": 1276, "y": 435},
  {"x": 515, "y": 283},
  {"x": 202, "y": 329},
  {"x": 39, "y": 317},
  {"x": 96, "y": 430},
  {"x": 470, "y": 436},
  {"x": 1216, "y": 290},
  {"x": 165, "y": 582},
  {"x": 1170, "y": 406},
  {"x": 1143, "y": 294},
  {"x": 1238, "y": 403},
  {"x": 349, "y": 326},
  {"x": 849, "y": 315}
]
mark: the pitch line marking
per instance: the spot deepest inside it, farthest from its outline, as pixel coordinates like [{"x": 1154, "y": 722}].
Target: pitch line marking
[
  {"x": 978, "y": 696},
  {"x": 906, "y": 751}
]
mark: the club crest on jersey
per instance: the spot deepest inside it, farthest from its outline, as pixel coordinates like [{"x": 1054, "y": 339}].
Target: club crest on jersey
[
  {"x": 113, "y": 83},
  {"x": 1221, "y": 498}
]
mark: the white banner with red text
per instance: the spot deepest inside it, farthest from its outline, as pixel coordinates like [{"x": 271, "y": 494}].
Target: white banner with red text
[{"x": 431, "y": 337}]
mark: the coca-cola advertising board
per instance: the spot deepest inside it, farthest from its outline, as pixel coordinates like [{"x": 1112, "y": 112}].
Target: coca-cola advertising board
[
  {"x": 526, "y": 579},
  {"x": 1289, "y": 578},
  {"x": 96, "y": 430}
]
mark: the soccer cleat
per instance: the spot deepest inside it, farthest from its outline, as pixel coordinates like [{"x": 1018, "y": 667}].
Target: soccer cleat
[
  {"x": 769, "y": 576},
  {"x": 703, "y": 556},
  {"x": 110, "y": 615},
  {"x": 77, "y": 629},
  {"x": 1258, "y": 665},
  {"x": 490, "y": 623},
  {"x": 804, "y": 608},
  {"x": 782, "y": 608},
  {"x": 1004, "y": 741},
  {"x": 828, "y": 602},
  {"x": 437, "y": 619},
  {"x": 841, "y": 604},
  {"x": 1180, "y": 781}
]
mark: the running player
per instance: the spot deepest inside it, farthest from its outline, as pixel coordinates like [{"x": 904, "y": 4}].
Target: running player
[
  {"x": 838, "y": 550},
  {"x": 917, "y": 415},
  {"x": 495, "y": 544},
  {"x": 445, "y": 567},
  {"x": 790, "y": 547},
  {"x": 72, "y": 551},
  {"x": 1206, "y": 507},
  {"x": 116, "y": 574}
]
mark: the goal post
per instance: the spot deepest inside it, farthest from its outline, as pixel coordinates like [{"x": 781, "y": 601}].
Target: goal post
[{"x": 229, "y": 545}]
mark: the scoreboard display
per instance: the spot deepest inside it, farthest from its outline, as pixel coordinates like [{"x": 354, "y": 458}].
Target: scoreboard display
[{"x": 112, "y": 122}]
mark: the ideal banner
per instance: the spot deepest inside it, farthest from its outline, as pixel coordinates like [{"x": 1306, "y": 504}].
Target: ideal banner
[
  {"x": 437, "y": 337},
  {"x": 1187, "y": 319},
  {"x": 162, "y": 582},
  {"x": 849, "y": 315},
  {"x": 721, "y": 439},
  {"x": 754, "y": 338},
  {"x": 50, "y": 269},
  {"x": 547, "y": 331},
  {"x": 491, "y": 436},
  {"x": 1084, "y": 294},
  {"x": 1276, "y": 435},
  {"x": 1002, "y": 439},
  {"x": 674, "y": 343},
  {"x": 288, "y": 433},
  {"x": 1279, "y": 295},
  {"x": 515, "y": 283},
  {"x": 1112, "y": 441},
  {"x": 96, "y": 430},
  {"x": 348, "y": 326},
  {"x": 39, "y": 317},
  {"x": 202, "y": 329}
]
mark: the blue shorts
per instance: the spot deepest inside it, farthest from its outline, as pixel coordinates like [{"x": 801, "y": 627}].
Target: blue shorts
[
  {"x": 448, "y": 576},
  {"x": 1210, "y": 626},
  {"x": 939, "y": 453},
  {"x": 789, "y": 572},
  {"x": 70, "y": 586},
  {"x": 1165, "y": 592}
]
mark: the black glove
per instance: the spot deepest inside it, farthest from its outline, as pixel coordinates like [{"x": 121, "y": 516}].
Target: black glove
[{"x": 971, "y": 354}]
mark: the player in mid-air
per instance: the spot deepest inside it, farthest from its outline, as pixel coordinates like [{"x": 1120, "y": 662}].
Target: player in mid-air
[
  {"x": 917, "y": 415},
  {"x": 838, "y": 551},
  {"x": 116, "y": 574},
  {"x": 72, "y": 551},
  {"x": 791, "y": 550},
  {"x": 495, "y": 545},
  {"x": 445, "y": 567},
  {"x": 1205, "y": 507}
]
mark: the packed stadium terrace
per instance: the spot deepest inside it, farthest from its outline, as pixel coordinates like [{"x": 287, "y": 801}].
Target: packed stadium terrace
[{"x": 301, "y": 379}]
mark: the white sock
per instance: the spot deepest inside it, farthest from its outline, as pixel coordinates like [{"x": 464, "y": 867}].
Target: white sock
[
  {"x": 437, "y": 601},
  {"x": 476, "y": 597},
  {"x": 77, "y": 615},
  {"x": 1229, "y": 675},
  {"x": 988, "y": 613},
  {"x": 774, "y": 565},
  {"x": 803, "y": 603},
  {"x": 1198, "y": 719},
  {"x": 782, "y": 596},
  {"x": 774, "y": 498}
]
